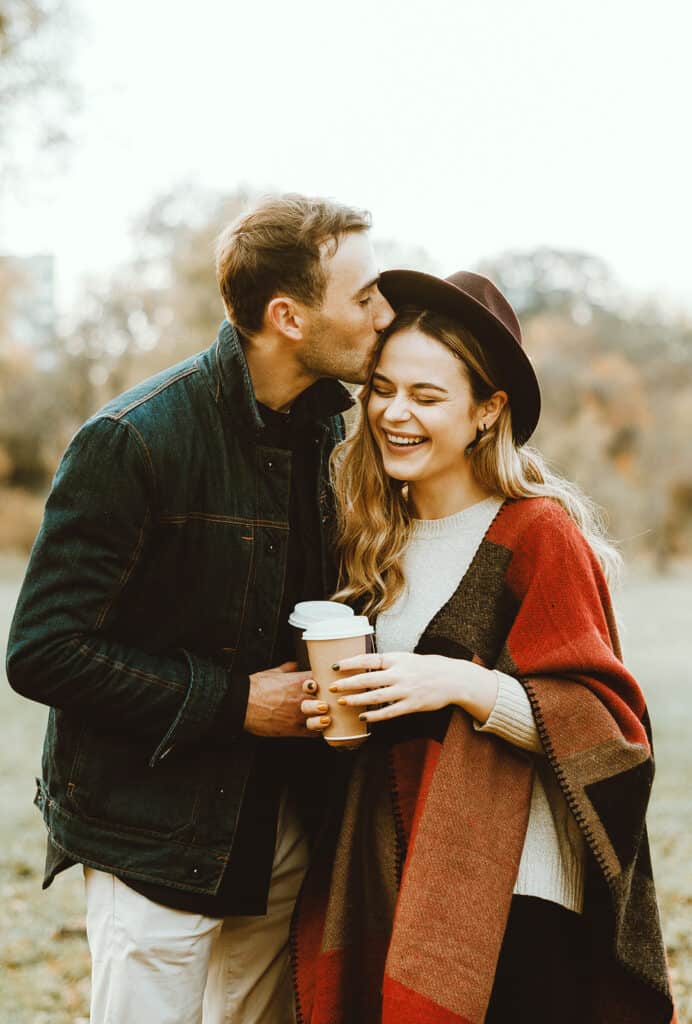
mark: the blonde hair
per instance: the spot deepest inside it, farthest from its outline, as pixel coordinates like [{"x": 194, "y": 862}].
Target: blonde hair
[{"x": 374, "y": 522}]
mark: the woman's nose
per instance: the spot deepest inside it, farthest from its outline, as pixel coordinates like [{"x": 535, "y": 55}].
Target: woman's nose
[{"x": 396, "y": 411}]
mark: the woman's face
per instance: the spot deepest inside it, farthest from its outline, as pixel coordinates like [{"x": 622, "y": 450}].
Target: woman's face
[{"x": 421, "y": 410}]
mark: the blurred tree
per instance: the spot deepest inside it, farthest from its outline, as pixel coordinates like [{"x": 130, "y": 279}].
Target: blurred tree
[
  {"x": 617, "y": 419},
  {"x": 616, "y": 382},
  {"x": 8, "y": 284},
  {"x": 166, "y": 305},
  {"x": 162, "y": 307},
  {"x": 615, "y": 376},
  {"x": 32, "y": 420},
  {"x": 37, "y": 95},
  {"x": 37, "y": 98},
  {"x": 572, "y": 283},
  {"x": 94, "y": 357},
  {"x": 392, "y": 255},
  {"x": 176, "y": 244}
]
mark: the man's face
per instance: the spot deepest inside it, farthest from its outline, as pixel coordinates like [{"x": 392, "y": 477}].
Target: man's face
[{"x": 340, "y": 335}]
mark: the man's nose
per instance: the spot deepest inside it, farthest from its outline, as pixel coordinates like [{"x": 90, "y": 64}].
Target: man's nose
[{"x": 384, "y": 314}]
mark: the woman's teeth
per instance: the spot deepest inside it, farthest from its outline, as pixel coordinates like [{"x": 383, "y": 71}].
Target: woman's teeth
[{"x": 404, "y": 442}]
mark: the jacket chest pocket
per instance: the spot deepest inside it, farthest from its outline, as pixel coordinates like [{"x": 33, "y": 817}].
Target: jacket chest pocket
[{"x": 193, "y": 587}]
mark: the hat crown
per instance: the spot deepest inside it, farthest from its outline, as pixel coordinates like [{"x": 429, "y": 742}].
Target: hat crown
[{"x": 484, "y": 292}]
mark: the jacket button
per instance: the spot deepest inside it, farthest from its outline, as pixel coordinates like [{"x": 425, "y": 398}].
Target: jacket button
[
  {"x": 271, "y": 548},
  {"x": 269, "y": 464},
  {"x": 260, "y": 631},
  {"x": 222, "y": 792},
  {"x": 194, "y": 872}
]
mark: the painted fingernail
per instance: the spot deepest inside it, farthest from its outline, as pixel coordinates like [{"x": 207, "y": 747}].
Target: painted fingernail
[
  {"x": 341, "y": 700},
  {"x": 363, "y": 718},
  {"x": 335, "y": 668},
  {"x": 322, "y": 708},
  {"x": 333, "y": 689},
  {"x": 325, "y": 720},
  {"x": 311, "y": 685}
]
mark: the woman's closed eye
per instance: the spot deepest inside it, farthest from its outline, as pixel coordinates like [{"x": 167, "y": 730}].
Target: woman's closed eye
[{"x": 420, "y": 399}]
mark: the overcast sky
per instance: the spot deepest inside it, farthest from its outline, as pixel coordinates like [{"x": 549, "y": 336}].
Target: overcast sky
[{"x": 468, "y": 128}]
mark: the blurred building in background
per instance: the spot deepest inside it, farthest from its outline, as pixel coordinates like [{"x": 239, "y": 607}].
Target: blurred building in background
[{"x": 29, "y": 313}]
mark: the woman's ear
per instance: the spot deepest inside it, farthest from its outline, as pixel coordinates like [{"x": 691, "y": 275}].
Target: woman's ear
[{"x": 491, "y": 409}]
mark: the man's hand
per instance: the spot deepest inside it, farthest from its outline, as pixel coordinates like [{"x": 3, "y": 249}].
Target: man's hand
[{"x": 273, "y": 707}]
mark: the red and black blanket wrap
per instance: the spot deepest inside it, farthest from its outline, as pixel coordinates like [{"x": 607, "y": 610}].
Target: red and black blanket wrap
[{"x": 403, "y": 911}]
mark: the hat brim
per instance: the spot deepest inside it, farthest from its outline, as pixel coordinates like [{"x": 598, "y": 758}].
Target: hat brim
[{"x": 511, "y": 367}]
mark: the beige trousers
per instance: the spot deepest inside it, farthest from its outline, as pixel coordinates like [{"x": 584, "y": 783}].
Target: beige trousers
[{"x": 155, "y": 965}]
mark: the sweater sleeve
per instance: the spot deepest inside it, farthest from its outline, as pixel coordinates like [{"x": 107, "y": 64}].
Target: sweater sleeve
[{"x": 511, "y": 718}]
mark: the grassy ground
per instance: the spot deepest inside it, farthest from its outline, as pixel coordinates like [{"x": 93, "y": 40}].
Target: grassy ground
[{"x": 43, "y": 955}]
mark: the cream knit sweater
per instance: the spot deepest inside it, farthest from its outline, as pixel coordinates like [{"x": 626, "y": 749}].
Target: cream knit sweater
[{"x": 438, "y": 555}]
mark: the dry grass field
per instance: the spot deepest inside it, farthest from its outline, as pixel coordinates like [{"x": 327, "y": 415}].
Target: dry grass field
[{"x": 43, "y": 955}]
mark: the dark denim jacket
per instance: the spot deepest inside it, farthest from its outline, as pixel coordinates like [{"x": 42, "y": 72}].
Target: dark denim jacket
[{"x": 152, "y": 591}]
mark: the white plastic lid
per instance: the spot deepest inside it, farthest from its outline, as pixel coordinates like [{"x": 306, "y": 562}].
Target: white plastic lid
[
  {"x": 337, "y": 628},
  {"x": 306, "y": 612}
]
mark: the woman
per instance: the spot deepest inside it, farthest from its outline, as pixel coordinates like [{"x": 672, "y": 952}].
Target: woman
[{"x": 491, "y": 861}]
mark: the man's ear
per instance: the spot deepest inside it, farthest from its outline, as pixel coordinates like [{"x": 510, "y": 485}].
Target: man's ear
[{"x": 285, "y": 316}]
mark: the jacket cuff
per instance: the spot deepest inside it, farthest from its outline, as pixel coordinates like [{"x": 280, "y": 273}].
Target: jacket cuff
[
  {"x": 230, "y": 717},
  {"x": 208, "y": 688}
]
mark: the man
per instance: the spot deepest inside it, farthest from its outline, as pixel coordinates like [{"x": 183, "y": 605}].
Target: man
[{"x": 185, "y": 520}]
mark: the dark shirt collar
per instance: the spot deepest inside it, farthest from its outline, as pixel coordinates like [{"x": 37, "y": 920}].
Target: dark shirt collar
[{"x": 230, "y": 377}]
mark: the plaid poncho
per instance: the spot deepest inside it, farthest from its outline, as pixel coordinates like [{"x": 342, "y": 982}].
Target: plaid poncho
[{"x": 403, "y": 912}]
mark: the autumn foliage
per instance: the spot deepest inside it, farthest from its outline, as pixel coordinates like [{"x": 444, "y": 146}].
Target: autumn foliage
[{"x": 616, "y": 375}]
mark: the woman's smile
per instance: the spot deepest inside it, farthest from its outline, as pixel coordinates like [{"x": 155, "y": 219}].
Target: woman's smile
[{"x": 401, "y": 444}]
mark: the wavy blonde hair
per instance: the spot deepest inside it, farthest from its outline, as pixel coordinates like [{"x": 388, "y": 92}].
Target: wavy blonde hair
[{"x": 374, "y": 522}]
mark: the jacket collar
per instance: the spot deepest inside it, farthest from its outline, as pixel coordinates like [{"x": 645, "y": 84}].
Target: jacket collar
[{"x": 227, "y": 367}]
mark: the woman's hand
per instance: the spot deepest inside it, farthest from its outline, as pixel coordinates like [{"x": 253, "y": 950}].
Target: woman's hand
[
  {"x": 401, "y": 684},
  {"x": 316, "y": 711}
]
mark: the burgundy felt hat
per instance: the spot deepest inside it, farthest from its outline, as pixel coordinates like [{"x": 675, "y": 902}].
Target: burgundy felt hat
[{"x": 478, "y": 305}]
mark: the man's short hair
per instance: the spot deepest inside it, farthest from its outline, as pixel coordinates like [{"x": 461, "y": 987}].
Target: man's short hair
[{"x": 277, "y": 247}]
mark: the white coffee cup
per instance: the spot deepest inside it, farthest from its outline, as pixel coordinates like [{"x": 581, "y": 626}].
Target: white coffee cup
[
  {"x": 307, "y": 612},
  {"x": 329, "y": 642}
]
